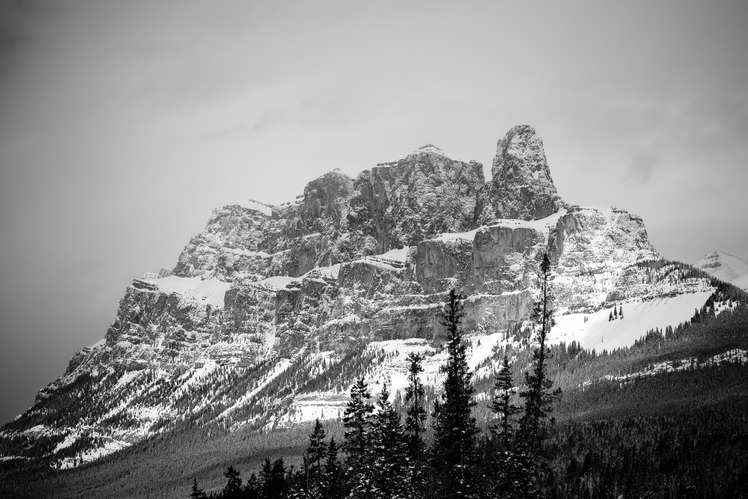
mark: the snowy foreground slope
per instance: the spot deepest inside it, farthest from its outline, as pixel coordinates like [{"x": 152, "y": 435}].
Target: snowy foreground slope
[{"x": 271, "y": 312}]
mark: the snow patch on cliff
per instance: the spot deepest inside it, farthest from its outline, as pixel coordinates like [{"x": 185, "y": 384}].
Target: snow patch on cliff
[
  {"x": 257, "y": 206},
  {"x": 541, "y": 225},
  {"x": 208, "y": 291},
  {"x": 276, "y": 283}
]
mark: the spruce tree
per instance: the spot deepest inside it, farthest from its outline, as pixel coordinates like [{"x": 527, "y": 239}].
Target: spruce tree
[
  {"x": 506, "y": 463},
  {"x": 357, "y": 423},
  {"x": 454, "y": 424},
  {"x": 332, "y": 480},
  {"x": 538, "y": 395},
  {"x": 273, "y": 483},
  {"x": 278, "y": 483},
  {"x": 502, "y": 405},
  {"x": 415, "y": 426},
  {"x": 416, "y": 413},
  {"x": 314, "y": 458},
  {"x": 233, "y": 487},
  {"x": 389, "y": 450},
  {"x": 252, "y": 488}
]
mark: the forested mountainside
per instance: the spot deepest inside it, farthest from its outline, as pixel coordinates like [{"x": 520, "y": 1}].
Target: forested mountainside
[{"x": 272, "y": 312}]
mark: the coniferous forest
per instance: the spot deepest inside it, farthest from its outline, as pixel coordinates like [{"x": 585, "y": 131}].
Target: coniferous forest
[
  {"x": 693, "y": 446},
  {"x": 658, "y": 419}
]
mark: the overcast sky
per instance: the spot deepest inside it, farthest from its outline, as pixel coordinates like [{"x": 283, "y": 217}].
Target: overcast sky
[{"x": 123, "y": 124}]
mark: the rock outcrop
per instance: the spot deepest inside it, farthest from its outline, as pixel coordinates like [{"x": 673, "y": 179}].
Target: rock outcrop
[
  {"x": 521, "y": 186},
  {"x": 404, "y": 202}
]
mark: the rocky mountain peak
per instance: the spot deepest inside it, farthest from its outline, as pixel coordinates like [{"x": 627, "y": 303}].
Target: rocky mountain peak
[
  {"x": 271, "y": 309},
  {"x": 725, "y": 266},
  {"x": 325, "y": 198},
  {"x": 521, "y": 186},
  {"x": 430, "y": 149}
]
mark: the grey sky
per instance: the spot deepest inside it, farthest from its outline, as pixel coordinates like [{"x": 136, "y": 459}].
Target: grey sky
[{"x": 123, "y": 124}]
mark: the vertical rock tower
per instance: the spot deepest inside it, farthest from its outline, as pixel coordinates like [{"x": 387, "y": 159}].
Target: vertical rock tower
[{"x": 521, "y": 186}]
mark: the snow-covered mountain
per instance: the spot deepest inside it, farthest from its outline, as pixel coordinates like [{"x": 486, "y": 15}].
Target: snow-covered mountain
[
  {"x": 271, "y": 311},
  {"x": 726, "y": 267}
]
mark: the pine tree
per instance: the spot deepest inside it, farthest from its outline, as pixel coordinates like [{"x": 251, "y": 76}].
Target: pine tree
[
  {"x": 620, "y": 312},
  {"x": 197, "y": 492},
  {"x": 389, "y": 450},
  {"x": 538, "y": 396},
  {"x": 454, "y": 424},
  {"x": 610, "y": 317},
  {"x": 233, "y": 488},
  {"x": 615, "y": 313}
]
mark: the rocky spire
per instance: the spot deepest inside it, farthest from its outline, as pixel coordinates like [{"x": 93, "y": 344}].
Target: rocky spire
[{"x": 521, "y": 185}]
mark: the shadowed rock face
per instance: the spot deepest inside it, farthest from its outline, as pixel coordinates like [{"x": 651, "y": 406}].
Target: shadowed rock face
[{"x": 521, "y": 186}]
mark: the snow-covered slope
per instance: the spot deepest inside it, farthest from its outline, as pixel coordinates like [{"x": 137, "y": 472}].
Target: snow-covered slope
[
  {"x": 596, "y": 331},
  {"x": 726, "y": 267}
]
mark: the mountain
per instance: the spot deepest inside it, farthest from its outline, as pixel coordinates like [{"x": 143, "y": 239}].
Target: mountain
[
  {"x": 271, "y": 312},
  {"x": 726, "y": 267}
]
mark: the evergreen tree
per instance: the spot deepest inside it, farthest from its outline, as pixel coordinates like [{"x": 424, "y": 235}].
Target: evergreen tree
[
  {"x": 272, "y": 479},
  {"x": 507, "y": 466},
  {"x": 357, "y": 423},
  {"x": 278, "y": 484},
  {"x": 537, "y": 396},
  {"x": 233, "y": 487},
  {"x": 502, "y": 405},
  {"x": 615, "y": 313},
  {"x": 416, "y": 413},
  {"x": 252, "y": 488},
  {"x": 314, "y": 458},
  {"x": 610, "y": 317},
  {"x": 620, "y": 312},
  {"x": 415, "y": 426},
  {"x": 332, "y": 479},
  {"x": 454, "y": 424},
  {"x": 389, "y": 450},
  {"x": 197, "y": 492}
]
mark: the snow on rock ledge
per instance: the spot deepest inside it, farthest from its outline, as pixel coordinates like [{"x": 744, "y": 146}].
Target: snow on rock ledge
[{"x": 208, "y": 291}]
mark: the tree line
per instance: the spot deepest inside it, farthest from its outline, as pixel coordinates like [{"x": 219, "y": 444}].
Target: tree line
[{"x": 386, "y": 457}]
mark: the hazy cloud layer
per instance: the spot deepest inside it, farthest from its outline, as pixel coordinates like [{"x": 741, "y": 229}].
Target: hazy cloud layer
[{"x": 123, "y": 124}]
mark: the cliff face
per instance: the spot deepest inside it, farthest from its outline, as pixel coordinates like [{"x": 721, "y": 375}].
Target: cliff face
[
  {"x": 521, "y": 186},
  {"x": 271, "y": 311},
  {"x": 404, "y": 202}
]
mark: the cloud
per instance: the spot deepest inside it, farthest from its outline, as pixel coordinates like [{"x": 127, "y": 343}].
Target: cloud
[{"x": 642, "y": 165}]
